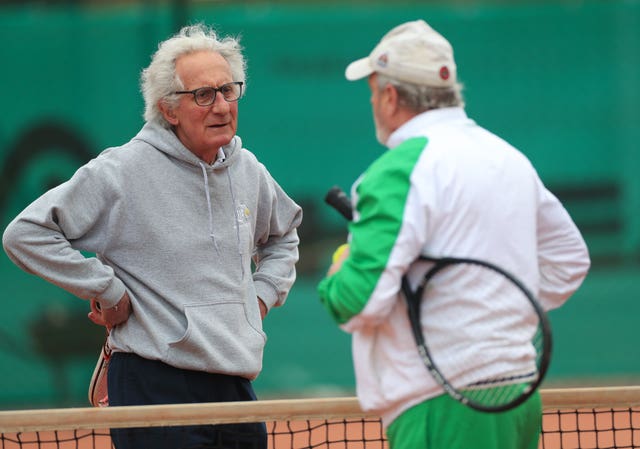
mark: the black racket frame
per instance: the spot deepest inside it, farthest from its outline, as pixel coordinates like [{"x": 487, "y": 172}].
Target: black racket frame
[{"x": 413, "y": 299}]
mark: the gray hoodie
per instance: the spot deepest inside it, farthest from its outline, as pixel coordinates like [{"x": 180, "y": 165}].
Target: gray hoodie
[{"x": 177, "y": 234}]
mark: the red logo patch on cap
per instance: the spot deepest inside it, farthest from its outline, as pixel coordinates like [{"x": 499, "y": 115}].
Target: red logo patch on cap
[{"x": 444, "y": 73}]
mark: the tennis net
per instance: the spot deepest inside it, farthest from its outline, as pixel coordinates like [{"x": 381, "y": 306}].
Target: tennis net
[{"x": 574, "y": 418}]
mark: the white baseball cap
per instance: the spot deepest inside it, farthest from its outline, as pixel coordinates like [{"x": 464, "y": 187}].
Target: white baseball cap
[{"x": 412, "y": 52}]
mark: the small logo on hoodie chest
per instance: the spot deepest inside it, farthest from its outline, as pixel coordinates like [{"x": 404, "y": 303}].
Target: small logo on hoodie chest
[{"x": 242, "y": 213}]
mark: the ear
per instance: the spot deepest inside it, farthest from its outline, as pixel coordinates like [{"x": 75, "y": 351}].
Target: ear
[
  {"x": 389, "y": 100},
  {"x": 167, "y": 112}
]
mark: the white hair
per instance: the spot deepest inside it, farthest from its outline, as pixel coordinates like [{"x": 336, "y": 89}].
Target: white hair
[
  {"x": 423, "y": 98},
  {"x": 159, "y": 80}
]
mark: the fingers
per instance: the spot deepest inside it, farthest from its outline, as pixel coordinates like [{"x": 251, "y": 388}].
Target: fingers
[
  {"x": 95, "y": 306},
  {"x": 97, "y": 319},
  {"x": 112, "y": 316},
  {"x": 96, "y": 313},
  {"x": 338, "y": 258},
  {"x": 263, "y": 308},
  {"x": 119, "y": 313}
]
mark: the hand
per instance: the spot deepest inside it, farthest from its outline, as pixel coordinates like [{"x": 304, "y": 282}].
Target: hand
[
  {"x": 112, "y": 316},
  {"x": 338, "y": 258},
  {"x": 263, "y": 308}
]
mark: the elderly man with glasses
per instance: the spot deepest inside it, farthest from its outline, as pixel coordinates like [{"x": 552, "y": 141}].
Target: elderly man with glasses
[{"x": 180, "y": 240}]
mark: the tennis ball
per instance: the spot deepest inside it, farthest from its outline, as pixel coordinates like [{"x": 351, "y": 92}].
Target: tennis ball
[{"x": 338, "y": 252}]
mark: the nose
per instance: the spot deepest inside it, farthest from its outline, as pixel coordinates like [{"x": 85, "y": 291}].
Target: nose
[{"x": 220, "y": 104}]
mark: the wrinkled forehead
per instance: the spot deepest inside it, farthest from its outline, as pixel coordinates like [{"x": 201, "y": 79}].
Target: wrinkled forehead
[{"x": 203, "y": 68}]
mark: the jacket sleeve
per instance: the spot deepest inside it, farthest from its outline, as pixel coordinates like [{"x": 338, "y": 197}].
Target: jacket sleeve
[
  {"x": 276, "y": 243},
  {"x": 48, "y": 237},
  {"x": 563, "y": 257},
  {"x": 364, "y": 291}
]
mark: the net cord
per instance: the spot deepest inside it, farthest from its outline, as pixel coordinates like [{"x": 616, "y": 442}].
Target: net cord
[{"x": 266, "y": 410}]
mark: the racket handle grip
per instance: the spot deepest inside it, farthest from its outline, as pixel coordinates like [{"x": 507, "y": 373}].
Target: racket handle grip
[{"x": 339, "y": 200}]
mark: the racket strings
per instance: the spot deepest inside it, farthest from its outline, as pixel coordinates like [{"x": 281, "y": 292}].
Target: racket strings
[{"x": 491, "y": 350}]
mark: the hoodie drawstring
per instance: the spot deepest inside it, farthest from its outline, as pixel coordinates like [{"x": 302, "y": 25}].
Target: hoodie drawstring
[
  {"x": 208, "y": 195},
  {"x": 235, "y": 217}
]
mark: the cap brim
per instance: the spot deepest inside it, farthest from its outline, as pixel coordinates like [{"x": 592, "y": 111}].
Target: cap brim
[{"x": 358, "y": 69}]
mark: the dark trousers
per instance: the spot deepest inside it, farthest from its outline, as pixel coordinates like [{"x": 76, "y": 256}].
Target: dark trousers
[{"x": 134, "y": 380}]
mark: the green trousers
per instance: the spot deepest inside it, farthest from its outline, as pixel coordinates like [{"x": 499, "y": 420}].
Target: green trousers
[{"x": 444, "y": 423}]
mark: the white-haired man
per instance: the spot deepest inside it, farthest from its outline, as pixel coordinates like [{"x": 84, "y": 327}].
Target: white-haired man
[{"x": 175, "y": 217}]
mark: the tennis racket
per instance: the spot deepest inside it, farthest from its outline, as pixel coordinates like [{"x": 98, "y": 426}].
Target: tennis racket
[
  {"x": 98, "y": 390},
  {"x": 501, "y": 345}
]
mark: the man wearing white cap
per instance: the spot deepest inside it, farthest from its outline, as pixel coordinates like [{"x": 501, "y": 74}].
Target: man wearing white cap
[{"x": 447, "y": 187}]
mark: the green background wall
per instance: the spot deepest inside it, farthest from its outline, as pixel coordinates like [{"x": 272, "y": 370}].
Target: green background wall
[{"x": 560, "y": 80}]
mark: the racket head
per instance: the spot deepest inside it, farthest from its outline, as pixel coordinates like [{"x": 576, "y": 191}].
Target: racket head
[{"x": 495, "y": 352}]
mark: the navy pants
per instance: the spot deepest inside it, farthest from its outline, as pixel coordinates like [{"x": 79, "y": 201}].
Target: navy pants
[{"x": 134, "y": 380}]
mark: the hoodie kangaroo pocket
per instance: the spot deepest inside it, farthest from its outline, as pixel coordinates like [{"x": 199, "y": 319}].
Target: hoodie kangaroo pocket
[{"x": 219, "y": 338}]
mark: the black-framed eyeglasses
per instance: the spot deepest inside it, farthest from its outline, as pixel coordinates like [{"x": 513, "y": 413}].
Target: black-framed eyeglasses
[{"x": 206, "y": 96}]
